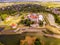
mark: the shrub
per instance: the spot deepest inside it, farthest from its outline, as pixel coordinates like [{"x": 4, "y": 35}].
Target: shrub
[
  {"x": 1, "y": 43},
  {"x": 4, "y": 16},
  {"x": 40, "y": 23},
  {"x": 57, "y": 19},
  {"x": 26, "y": 22},
  {"x": 37, "y": 42}
]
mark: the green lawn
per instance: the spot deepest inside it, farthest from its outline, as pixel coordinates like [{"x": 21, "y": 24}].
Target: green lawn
[{"x": 15, "y": 39}]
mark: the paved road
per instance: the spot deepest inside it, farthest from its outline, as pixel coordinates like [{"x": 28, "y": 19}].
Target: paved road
[
  {"x": 39, "y": 30},
  {"x": 29, "y": 30},
  {"x": 54, "y": 35},
  {"x": 36, "y": 30},
  {"x": 21, "y": 30}
]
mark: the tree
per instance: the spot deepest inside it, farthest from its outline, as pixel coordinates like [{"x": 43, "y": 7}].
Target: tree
[
  {"x": 1, "y": 43},
  {"x": 37, "y": 42}
]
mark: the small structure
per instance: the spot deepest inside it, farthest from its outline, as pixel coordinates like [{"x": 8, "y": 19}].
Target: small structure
[
  {"x": 40, "y": 18},
  {"x": 8, "y": 18},
  {"x": 13, "y": 25},
  {"x": 56, "y": 11},
  {"x": 33, "y": 17}
]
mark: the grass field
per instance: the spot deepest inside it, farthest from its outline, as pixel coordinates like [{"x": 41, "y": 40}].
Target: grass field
[{"x": 15, "y": 39}]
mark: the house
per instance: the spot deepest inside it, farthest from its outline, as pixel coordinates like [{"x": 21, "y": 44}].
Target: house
[
  {"x": 33, "y": 17},
  {"x": 13, "y": 25},
  {"x": 36, "y": 18},
  {"x": 40, "y": 18},
  {"x": 8, "y": 18},
  {"x": 56, "y": 11}
]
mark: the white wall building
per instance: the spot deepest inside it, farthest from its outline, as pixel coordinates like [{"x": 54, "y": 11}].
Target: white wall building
[{"x": 40, "y": 17}]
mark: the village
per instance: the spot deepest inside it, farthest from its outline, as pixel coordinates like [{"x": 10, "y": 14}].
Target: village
[
  {"x": 30, "y": 19},
  {"x": 29, "y": 22}
]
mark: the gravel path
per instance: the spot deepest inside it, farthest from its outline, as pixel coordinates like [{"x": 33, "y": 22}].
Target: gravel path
[
  {"x": 51, "y": 19},
  {"x": 54, "y": 35}
]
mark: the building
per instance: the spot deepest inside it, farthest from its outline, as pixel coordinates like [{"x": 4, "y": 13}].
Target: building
[
  {"x": 33, "y": 17},
  {"x": 56, "y": 11},
  {"x": 40, "y": 18},
  {"x": 36, "y": 18}
]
